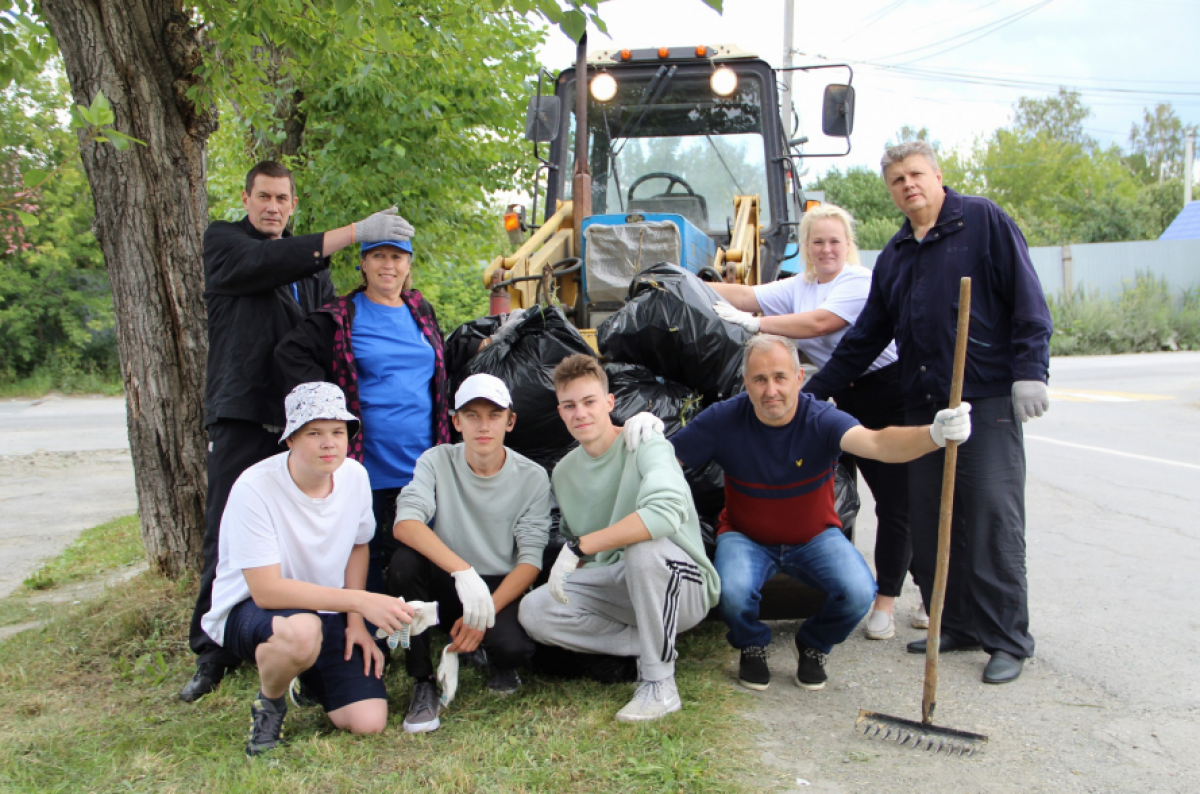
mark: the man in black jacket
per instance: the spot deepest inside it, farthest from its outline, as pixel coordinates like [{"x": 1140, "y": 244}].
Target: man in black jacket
[
  {"x": 259, "y": 283},
  {"x": 914, "y": 300}
]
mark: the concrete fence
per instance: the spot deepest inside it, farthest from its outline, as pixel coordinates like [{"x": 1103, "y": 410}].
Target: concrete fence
[{"x": 1107, "y": 267}]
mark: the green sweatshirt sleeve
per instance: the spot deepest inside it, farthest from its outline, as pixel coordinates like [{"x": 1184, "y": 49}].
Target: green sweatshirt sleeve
[
  {"x": 418, "y": 500},
  {"x": 664, "y": 497}
]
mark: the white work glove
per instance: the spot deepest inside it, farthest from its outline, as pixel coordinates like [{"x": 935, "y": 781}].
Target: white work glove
[
  {"x": 639, "y": 428},
  {"x": 1030, "y": 399},
  {"x": 425, "y": 615},
  {"x": 951, "y": 424},
  {"x": 381, "y": 226},
  {"x": 729, "y": 314},
  {"x": 508, "y": 326},
  {"x": 479, "y": 610},
  {"x": 447, "y": 675},
  {"x": 564, "y": 566}
]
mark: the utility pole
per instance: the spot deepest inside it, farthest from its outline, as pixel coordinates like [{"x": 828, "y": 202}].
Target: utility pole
[
  {"x": 789, "y": 25},
  {"x": 1188, "y": 143}
]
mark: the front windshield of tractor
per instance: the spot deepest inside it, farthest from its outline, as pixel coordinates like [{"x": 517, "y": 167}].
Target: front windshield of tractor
[{"x": 667, "y": 143}]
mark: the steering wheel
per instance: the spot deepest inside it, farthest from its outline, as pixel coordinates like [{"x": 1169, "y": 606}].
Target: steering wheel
[{"x": 672, "y": 181}]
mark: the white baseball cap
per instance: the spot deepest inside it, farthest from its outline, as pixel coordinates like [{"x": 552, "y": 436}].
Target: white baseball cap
[{"x": 482, "y": 387}]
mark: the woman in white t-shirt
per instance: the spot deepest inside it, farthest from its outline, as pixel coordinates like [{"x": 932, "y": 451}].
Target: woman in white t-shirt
[{"x": 817, "y": 308}]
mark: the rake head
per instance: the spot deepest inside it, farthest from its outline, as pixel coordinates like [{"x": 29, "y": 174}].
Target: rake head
[{"x": 919, "y": 735}]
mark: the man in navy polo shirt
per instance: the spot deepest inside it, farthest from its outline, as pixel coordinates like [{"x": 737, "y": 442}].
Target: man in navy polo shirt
[
  {"x": 779, "y": 449},
  {"x": 914, "y": 299}
]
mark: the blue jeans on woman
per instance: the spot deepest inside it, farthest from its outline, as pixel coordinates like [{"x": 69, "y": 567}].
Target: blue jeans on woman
[{"x": 829, "y": 563}]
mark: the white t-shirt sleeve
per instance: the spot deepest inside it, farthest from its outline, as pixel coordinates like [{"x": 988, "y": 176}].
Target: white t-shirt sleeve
[
  {"x": 248, "y": 524},
  {"x": 848, "y": 294},
  {"x": 366, "y": 519},
  {"x": 778, "y": 297}
]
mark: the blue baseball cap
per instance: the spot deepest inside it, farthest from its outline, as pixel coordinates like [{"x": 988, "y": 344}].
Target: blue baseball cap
[{"x": 403, "y": 245}]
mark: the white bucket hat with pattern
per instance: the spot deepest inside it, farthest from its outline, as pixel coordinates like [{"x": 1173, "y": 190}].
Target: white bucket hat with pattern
[{"x": 311, "y": 401}]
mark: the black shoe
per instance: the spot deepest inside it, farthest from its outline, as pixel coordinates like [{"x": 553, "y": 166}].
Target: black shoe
[
  {"x": 207, "y": 678},
  {"x": 606, "y": 669},
  {"x": 298, "y": 694},
  {"x": 266, "y": 726},
  {"x": 946, "y": 645},
  {"x": 423, "y": 709},
  {"x": 752, "y": 669},
  {"x": 503, "y": 681},
  {"x": 477, "y": 658},
  {"x": 810, "y": 671},
  {"x": 1002, "y": 668}
]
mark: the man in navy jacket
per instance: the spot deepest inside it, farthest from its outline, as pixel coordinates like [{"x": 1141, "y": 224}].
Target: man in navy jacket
[{"x": 914, "y": 299}]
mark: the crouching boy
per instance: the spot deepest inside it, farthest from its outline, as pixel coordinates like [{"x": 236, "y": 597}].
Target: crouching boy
[
  {"x": 633, "y": 535},
  {"x": 472, "y": 525},
  {"x": 289, "y": 594}
]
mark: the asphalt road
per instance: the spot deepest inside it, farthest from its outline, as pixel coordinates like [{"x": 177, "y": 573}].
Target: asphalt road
[{"x": 1111, "y": 702}]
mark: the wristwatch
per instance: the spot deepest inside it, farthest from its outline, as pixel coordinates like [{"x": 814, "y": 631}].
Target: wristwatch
[{"x": 573, "y": 545}]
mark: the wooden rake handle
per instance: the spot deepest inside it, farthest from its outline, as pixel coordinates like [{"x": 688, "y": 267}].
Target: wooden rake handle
[{"x": 932, "y": 645}]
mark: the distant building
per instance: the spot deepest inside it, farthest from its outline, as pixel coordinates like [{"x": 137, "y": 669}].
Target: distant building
[{"x": 1186, "y": 225}]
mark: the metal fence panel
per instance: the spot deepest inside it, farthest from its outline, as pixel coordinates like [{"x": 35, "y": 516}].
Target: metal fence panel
[{"x": 1107, "y": 267}]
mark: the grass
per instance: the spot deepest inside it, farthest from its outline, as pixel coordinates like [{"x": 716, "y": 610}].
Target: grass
[
  {"x": 1145, "y": 317},
  {"x": 112, "y": 545},
  {"x": 88, "y": 703},
  {"x": 66, "y": 380}
]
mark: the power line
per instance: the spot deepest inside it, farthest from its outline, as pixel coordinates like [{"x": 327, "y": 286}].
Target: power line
[
  {"x": 1011, "y": 17},
  {"x": 879, "y": 14}
]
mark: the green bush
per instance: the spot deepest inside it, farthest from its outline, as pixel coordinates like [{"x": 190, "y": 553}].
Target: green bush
[{"x": 1145, "y": 317}]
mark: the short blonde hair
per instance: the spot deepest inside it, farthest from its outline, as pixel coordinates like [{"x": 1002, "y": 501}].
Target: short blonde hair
[{"x": 820, "y": 213}]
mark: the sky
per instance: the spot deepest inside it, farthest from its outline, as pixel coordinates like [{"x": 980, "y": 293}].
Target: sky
[{"x": 954, "y": 66}]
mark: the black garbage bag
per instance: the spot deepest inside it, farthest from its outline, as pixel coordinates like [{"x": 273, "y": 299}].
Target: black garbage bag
[
  {"x": 845, "y": 499},
  {"x": 668, "y": 325},
  {"x": 463, "y": 342},
  {"x": 637, "y": 389},
  {"x": 708, "y": 491},
  {"x": 525, "y": 360}
]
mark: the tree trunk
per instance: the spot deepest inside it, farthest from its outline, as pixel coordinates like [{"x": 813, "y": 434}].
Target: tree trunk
[{"x": 151, "y": 213}]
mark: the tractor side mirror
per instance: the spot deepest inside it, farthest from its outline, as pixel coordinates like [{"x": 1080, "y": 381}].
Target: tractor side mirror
[
  {"x": 542, "y": 118},
  {"x": 837, "y": 118}
]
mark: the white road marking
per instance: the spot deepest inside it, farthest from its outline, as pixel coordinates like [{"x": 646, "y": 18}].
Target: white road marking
[
  {"x": 1090, "y": 396},
  {"x": 1115, "y": 452}
]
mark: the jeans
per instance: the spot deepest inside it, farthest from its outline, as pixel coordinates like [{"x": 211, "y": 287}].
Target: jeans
[{"x": 828, "y": 562}]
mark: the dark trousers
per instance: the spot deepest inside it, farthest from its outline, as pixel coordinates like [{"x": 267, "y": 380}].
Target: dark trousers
[
  {"x": 233, "y": 447},
  {"x": 986, "y": 592},
  {"x": 414, "y": 578},
  {"x": 384, "y": 544},
  {"x": 876, "y": 402}
]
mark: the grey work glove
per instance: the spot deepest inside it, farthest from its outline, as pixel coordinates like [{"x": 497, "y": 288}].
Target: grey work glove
[
  {"x": 479, "y": 610},
  {"x": 730, "y": 314},
  {"x": 382, "y": 226},
  {"x": 951, "y": 424},
  {"x": 1030, "y": 399},
  {"x": 564, "y": 566}
]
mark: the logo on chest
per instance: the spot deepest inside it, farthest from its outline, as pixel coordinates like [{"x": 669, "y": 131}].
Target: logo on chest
[{"x": 800, "y": 462}]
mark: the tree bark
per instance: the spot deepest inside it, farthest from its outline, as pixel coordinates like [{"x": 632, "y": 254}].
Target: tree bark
[{"x": 151, "y": 213}]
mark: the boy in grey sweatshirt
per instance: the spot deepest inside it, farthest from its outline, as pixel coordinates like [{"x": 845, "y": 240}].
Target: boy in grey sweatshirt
[{"x": 472, "y": 524}]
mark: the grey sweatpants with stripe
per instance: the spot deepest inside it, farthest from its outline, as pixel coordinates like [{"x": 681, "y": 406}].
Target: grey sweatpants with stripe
[{"x": 634, "y": 607}]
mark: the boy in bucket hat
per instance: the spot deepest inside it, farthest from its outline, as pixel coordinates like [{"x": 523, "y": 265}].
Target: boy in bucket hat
[
  {"x": 289, "y": 594},
  {"x": 472, "y": 525}
]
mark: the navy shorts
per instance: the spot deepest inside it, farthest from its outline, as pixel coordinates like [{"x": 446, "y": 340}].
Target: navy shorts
[{"x": 332, "y": 681}]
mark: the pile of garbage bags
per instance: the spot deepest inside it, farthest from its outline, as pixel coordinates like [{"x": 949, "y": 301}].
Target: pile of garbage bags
[{"x": 666, "y": 351}]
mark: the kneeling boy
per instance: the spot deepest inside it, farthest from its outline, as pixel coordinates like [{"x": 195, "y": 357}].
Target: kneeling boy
[
  {"x": 472, "y": 524},
  {"x": 632, "y": 531},
  {"x": 289, "y": 594}
]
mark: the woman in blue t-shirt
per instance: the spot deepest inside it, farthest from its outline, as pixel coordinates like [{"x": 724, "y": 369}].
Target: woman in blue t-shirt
[
  {"x": 381, "y": 344},
  {"x": 817, "y": 308}
]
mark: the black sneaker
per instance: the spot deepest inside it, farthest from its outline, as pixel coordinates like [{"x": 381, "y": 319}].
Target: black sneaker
[
  {"x": 424, "y": 708},
  {"x": 502, "y": 681},
  {"x": 299, "y": 695},
  {"x": 752, "y": 670},
  {"x": 477, "y": 658},
  {"x": 810, "y": 671},
  {"x": 266, "y": 726}
]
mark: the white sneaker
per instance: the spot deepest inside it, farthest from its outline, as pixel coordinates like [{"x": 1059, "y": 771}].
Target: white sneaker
[
  {"x": 652, "y": 700},
  {"x": 880, "y": 625},
  {"x": 921, "y": 620}
]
